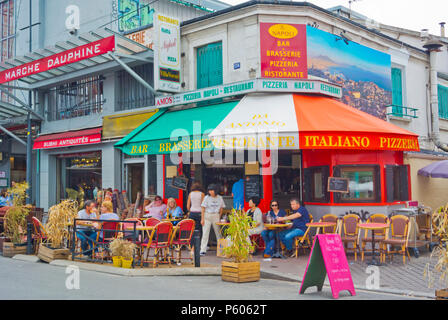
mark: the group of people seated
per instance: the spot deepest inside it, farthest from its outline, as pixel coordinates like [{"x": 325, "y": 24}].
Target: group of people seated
[
  {"x": 299, "y": 217},
  {"x": 5, "y": 198}
]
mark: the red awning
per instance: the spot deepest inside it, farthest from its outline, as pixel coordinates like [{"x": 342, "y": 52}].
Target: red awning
[{"x": 68, "y": 139}]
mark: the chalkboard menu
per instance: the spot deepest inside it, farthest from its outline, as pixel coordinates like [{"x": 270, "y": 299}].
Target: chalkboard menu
[
  {"x": 179, "y": 182},
  {"x": 170, "y": 191},
  {"x": 338, "y": 184},
  {"x": 253, "y": 187}
]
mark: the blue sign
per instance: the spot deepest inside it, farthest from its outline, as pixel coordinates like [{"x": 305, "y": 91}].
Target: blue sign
[{"x": 236, "y": 65}]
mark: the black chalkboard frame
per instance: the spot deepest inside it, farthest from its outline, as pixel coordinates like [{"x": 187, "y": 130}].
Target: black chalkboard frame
[
  {"x": 329, "y": 189},
  {"x": 185, "y": 180},
  {"x": 259, "y": 186}
]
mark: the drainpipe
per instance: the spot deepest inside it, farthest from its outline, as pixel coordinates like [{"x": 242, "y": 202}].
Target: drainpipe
[{"x": 433, "y": 46}]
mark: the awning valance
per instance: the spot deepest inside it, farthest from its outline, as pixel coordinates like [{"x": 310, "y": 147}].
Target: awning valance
[{"x": 68, "y": 139}]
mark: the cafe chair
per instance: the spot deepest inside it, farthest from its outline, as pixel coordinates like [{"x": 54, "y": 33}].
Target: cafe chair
[
  {"x": 127, "y": 227},
  {"x": 161, "y": 241},
  {"x": 350, "y": 226},
  {"x": 181, "y": 237},
  {"x": 304, "y": 241},
  {"x": 329, "y": 218},
  {"x": 39, "y": 234},
  {"x": 379, "y": 234},
  {"x": 110, "y": 230},
  {"x": 151, "y": 222},
  {"x": 399, "y": 226}
]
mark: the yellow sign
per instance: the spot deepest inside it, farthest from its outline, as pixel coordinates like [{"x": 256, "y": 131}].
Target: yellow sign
[
  {"x": 117, "y": 126},
  {"x": 283, "y": 31}
]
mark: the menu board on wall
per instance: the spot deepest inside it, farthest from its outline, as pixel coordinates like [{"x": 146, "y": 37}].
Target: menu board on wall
[
  {"x": 283, "y": 51},
  {"x": 253, "y": 187}
]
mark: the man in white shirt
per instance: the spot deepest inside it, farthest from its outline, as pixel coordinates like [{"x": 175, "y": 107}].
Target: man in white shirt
[{"x": 84, "y": 229}]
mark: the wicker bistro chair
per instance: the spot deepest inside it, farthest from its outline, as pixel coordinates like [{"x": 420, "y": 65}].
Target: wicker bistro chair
[
  {"x": 110, "y": 230},
  {"x": 379, "y": 234},
  {"x": 399, "y": 238},
  {"x": 39, "y": 235},
  {"x": 300, "y": 241},
  {"x": 350, "y": 225},
  {"x": 160, "y": 241},
  {"x": 181, "y": 237},
  {"x": 152, "y": 222},
  {"x": 329, "y": 218}
]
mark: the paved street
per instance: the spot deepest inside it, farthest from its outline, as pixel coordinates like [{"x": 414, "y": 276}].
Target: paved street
[{"x": 27, "y": 280}]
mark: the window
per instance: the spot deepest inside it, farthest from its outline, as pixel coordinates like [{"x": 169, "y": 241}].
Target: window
[
  {"x": 397, "y": 92},
  {"x": 76, "y": 99},
  {"x": 209, "y": 65},
  {"x": 443, "y": 101},
  {"x": 8, "y": 29},
  {"x": 315, "y": 188},
  {"x": 397, "y": 183},
  {"x": 364, "y": 183},
  {"x": 131, "y": 93}
]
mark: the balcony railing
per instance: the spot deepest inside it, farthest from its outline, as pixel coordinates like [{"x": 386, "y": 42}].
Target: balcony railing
[{"x": 402, "y": 112}]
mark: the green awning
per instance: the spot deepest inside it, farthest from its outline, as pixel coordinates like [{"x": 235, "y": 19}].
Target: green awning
[{"x": 176, "y": 131}]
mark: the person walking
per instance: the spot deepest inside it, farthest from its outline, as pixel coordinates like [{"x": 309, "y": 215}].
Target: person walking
[
  {"x": 211, "y": 214},
  {"x": 194, "y": 202}
]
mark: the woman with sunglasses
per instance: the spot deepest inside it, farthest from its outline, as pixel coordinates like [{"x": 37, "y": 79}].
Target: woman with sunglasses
[
  {"x": 269, "y": 235},
  {"x": 156, "y": 208}
]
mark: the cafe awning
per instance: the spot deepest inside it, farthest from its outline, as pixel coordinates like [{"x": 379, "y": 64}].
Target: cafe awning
[
  {"x": 175, "y": 131},
  {"x": 294, "y": 121},
  {"x": 68, "y": 139},
  {"x": 268, "y": 121}
]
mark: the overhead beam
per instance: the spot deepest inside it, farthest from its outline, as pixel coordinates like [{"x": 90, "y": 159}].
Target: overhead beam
[{"x": 9, "y": 133}]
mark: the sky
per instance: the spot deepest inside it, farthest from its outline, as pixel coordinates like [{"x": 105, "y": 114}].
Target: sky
[{"x": 408, "y": 14}]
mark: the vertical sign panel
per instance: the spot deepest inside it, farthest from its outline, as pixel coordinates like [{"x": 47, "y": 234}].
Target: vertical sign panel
[
  {"x": 283, "y": 51},
  {"x": 167, "y": 54}
]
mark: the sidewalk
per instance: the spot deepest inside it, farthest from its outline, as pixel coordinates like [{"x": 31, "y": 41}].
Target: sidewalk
[{"x": 394, "y": 277}]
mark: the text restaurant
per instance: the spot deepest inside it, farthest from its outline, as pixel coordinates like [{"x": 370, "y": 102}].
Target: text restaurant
[{"x": 311, "y": 135}]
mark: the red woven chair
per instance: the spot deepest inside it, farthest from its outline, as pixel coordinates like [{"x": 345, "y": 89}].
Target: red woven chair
[
  {"x": 182, "y": 235},
  {"x": 110, "y": 231},
  {"x": 40, "y": 233},
  {"x": 152, "y": 222},
  {"x": 258, "y": 241},
  {"x": 160, "y": 240}
]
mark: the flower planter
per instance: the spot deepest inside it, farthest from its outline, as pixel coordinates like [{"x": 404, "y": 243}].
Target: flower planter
[
  {"x": 48, "y": 254},
  {"x": 117, "y": 261},
  {"x": 240, "y": 272},
  {"x": 442, "y": 294},
  {"x": 10, "y": 249},
  {"x": 125, "y": 263}
]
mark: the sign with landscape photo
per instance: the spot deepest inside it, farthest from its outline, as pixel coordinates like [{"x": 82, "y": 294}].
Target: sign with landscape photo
[{"x": 363, "y": 73}]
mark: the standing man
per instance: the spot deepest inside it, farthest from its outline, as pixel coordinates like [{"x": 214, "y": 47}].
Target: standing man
[
  {"x": 238, "y": 195},
  {"x": 84, "y": 232},
  {"x": 300, "y": 218}
]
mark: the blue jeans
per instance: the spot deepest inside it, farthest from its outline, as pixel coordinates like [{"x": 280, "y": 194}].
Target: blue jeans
[
  {"x": 287, "y": 236},
  {"x": 87, "y": 238},
  {"x": 269, "y": 240}
]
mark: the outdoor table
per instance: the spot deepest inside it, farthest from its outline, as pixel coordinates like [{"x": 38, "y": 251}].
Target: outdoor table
[
  {"x": 277, "y": 228},
  {"x": 319, "y": 225},
  {"x": 222, "y": 225},
  {"x": 373, "y": 227}
]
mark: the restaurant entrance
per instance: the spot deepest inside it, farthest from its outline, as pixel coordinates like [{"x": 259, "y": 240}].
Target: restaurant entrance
[{"x": 287, "y": 181}]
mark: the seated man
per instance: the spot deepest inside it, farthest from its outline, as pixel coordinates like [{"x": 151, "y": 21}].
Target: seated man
[
  {"x": 300, "y": 218},
  {"x": 85, "y": 229}
]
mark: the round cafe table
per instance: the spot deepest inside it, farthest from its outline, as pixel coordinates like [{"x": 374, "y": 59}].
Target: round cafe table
[
  {"x": 277, "y": 227},
  {"x": 319, "y": 225},
  {"x": 373, "y": 227}
]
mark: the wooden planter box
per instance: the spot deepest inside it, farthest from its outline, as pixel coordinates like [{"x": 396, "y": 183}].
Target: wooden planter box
[
  {"x": 10, "y": 250},
  {"x": 442, "y": 294},
  {"x": 240, "y": 272},
  {"x": 48, "y": 254}
]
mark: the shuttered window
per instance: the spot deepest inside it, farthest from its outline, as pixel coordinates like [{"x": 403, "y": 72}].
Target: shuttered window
[
  {"x": 443, "y": 101},
  {"x": 397, "y": 183},
  {"x": 209, "y": 65},
  {"x": 397, "y": 92}
]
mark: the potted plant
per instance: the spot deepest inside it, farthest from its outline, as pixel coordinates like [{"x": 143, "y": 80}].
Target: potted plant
[
  {"x": 240, "y": 269},
  {"x": 15, "y": 221},
  {"x": 127, "y": 253},
  {"x": 115, "y": 247},
  {"x": 440, "y": 253},
  {"x": 60, "y": 218}
]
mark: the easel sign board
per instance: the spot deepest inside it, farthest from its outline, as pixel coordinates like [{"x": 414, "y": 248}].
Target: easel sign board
[
  {"x": 338, "y": 184},
  {"x": 328, "y": 257}
]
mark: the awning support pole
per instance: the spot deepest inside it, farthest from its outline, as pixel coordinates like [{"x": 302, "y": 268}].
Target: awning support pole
[
  {"x": 9, "y": 133},
  {"x": 133, "y": 73}
]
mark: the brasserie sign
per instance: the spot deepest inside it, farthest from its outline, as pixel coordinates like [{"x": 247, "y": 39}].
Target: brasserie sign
[{"x": 244, "y": 87}]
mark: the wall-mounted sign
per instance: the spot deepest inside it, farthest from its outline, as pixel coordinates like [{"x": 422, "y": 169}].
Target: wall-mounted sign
[
  {"x": 86, "y": 51},
  {"x": 134, "y": 14},
  {"x": 338, "y": 185},
  {"x": 166, "y": 54},
  {"x": 283, "y": 51},
  {"x": 4, "y": 183},
  {"x": 2, "y": 174},
  {"x": 82, "y": 137},
  {"x": 144, "y": 37},
  {"x": 236, "y": 65},
  {"x": 244, "y": 87}
]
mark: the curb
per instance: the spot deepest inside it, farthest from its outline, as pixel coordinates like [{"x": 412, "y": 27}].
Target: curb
[{"x": 28, "y": 258}]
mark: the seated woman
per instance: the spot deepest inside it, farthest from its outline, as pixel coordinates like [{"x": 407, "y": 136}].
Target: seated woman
[
  {"x": 173, "y": 211},
  {"x": 156, "y": 208},
  {"x": 107, "y": 213},
  {"x": 269, "y": 235},
  {"x": 255, "y": 213}
]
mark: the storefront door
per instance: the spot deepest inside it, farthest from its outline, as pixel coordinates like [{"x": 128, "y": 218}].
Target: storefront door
[
  {"x": 134, "y": 173},
  {"x": 287, "y": 182}
]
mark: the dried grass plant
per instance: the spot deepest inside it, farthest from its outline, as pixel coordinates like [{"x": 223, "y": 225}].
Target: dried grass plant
[
  {"x": 240, "y": 247},
  {"x": 127, "y": 249},
  {"x": 60, "y": 217},
  {"x": 115, "y": 247},
  {"x": 440, "y": 253},
  {"x": 15, "y": 218}
]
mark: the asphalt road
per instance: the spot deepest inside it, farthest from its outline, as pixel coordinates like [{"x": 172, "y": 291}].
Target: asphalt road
[{"x": 29, "y": 281}]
